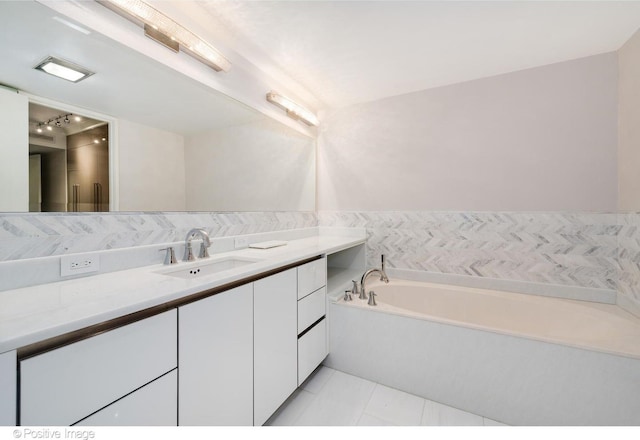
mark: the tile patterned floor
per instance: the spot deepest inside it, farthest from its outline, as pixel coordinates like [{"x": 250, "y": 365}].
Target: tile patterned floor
[{"x": 333, "y": 398}]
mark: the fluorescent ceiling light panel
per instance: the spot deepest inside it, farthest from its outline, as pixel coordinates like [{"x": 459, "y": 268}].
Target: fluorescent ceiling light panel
[
  {"x": 63, "y": 69},
  {"x": 294, "y": 110},
  {"x": 142, "y": 13}
]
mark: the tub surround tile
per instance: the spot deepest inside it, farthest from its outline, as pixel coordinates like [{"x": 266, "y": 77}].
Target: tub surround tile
[
  {"x": 514, "y": 380},
  {"x": 607, "y": 296},
  {"x": 565, "y": 249},
  {"x": 629, "y": 262}
]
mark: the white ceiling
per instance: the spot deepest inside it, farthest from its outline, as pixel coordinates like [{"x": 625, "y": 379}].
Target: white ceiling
[
  {"x": 126, "y": 84},
  {"x": 347, "y": 52},
  {"x": 330, "y": 53}
]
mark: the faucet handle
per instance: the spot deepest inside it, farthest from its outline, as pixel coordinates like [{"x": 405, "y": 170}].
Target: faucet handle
[
  {"x": 188, "y": 253},
  {"x": 372, "y": 298},
  {"x": 347, "y": 296},
  {"x": 170, "y": 257},
  {"x": 204, "y": 252}
]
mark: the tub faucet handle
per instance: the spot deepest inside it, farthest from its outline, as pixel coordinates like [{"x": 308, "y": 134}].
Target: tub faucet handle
[
  {"x": 347, "y": 296},
  {"x": 372, "y": 298}
]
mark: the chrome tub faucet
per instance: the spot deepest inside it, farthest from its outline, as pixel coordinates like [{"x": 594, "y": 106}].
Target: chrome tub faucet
[{"x": 383, "y": 277}]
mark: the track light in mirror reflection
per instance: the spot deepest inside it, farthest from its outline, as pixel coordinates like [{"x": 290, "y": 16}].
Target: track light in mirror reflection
[
  {"x": 167, "y": 32},
  {"x": 294, "y": 110}
]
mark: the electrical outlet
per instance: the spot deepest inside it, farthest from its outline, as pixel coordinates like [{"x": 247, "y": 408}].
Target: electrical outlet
[
  {"x": 241, "y": 242},
  {"x": 77, "y": 264}
]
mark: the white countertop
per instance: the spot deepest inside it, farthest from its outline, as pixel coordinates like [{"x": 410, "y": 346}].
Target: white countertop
[{"x": 32, "y": 314}]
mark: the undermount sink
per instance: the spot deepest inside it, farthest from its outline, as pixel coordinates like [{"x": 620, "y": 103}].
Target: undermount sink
[{"x": 207, "y": 267}]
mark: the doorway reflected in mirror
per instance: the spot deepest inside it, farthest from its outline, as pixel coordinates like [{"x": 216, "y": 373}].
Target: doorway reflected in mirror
[{"x": 68, "y": 161}]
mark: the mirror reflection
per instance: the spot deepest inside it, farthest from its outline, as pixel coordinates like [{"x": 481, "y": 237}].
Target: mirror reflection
[
  {"x": 68, "y": 161},
  {"x": 172, "y": 144}
]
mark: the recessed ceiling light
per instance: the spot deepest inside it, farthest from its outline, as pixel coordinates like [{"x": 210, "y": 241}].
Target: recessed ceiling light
[{"x": 63, "y": 69}]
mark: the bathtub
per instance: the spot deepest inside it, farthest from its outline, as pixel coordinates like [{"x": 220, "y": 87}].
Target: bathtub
[{"x": 514, "y": 358}]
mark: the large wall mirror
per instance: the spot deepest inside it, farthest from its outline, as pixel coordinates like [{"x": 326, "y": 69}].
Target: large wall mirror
[{"x": 172, "y": 144}]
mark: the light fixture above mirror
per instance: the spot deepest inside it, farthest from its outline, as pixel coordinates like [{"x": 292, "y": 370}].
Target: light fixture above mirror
[
  {"x": 294, "y": 110},
  {"x": 167, "y": 32}
]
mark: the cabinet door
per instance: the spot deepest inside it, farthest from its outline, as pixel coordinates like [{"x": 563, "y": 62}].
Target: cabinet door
[
  {"x": 216, "y": 359},
  {"x": 65, "y": 385},
  {"x": 8, "y": 378},
  {"x": 275, "y": 342},
  {"x": 155, "y": 404}
]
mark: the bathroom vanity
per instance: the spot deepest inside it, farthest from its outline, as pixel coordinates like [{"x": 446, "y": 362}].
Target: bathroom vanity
[{"x": 148, "y": 347}]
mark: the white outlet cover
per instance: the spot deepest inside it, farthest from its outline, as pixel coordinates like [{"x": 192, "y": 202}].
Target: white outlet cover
[{"x": 87, "y": 263}]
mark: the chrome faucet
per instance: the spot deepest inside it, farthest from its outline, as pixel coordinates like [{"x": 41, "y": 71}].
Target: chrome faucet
[
  {"x": 188, "y": 250},
  {"x": 383, "y": 277}
]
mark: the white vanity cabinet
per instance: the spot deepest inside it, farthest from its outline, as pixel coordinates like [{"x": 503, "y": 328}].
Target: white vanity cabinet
[
  {"x": 216, "y": 359},
  {"x": 8, "y": 379},
  {"x": 155, "y": 404},
  {"x": 65, "y": 385},
  {"x": 312, "y": 325},
  {"x": 275, "y": 342}
]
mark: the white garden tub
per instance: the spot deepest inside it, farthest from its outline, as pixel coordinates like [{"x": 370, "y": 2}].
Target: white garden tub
[{"x": 519, "y": 359}]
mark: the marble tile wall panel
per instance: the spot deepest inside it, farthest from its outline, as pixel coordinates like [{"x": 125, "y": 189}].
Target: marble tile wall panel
[
  {"x": 629, "y": 258},
  {"x": 25, "y": 236},
  {"x": 575, "y": 249}
]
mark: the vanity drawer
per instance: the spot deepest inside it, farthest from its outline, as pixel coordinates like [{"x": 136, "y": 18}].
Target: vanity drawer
[
  {"x": 311, "y": 277},
  {"x": 155, "y": 404},
  {"x": 312, "y": 349},
  {"x": 311, "y": 308},
  {"x": 62, "y": 386}
]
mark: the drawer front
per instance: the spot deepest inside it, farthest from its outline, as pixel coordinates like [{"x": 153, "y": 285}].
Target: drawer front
[
  {"x": 312, "y": 349},
  {"x": 311, "y": 277},
  {"x": 311, "y": 308},
  {"x": 8, "y": 379},
  {"x": 155, "y": 404},
  {"x": 62, "y": 386}
]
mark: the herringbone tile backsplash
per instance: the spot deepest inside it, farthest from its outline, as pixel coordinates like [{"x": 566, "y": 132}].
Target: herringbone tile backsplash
[
  {"x": 597, "y": 250},
  {"x": 548, "y": 247}
]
